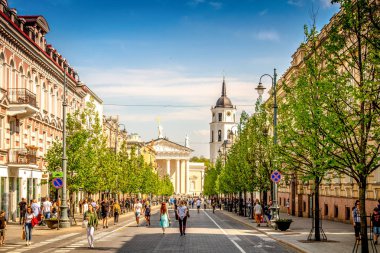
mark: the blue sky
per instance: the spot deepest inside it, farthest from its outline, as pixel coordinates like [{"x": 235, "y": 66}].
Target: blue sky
[{"x": 175, "y": 52}]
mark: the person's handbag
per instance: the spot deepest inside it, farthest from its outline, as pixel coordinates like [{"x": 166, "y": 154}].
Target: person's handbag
[
  {"x": 34, "y": 221},
  {"x": 23, "y": 234},
  {"x": 84, "y": 223},
  {"x": 188, "y": 214}
]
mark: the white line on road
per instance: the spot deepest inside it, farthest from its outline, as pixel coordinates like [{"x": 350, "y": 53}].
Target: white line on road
[{"x": 224, "y": 232}]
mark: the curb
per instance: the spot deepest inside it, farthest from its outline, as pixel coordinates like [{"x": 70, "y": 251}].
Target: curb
[{"x": 298, "y": 249}]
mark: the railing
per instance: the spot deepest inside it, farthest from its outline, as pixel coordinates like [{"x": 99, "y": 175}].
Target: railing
[
  {"x": 22, "y": 96},
  {"x": 22, "y": 156}
]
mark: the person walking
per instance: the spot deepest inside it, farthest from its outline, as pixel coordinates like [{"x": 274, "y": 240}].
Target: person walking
[
  {"x": 182, "y": 213},
  {"x": 85, "y": 206},
  {"x": 356, "y": 219},
  {"x": 92, "y": 224},
  {"x": 147, "y": 213},
  {"x": 36, "y": 209},
  {"x": 117, "y": 212},
  {"x": 164, "y": 217},
  {"x": 29, "y": 215},
  {"x": 46, "y": 208},
  {"x": 198, "y": 204},
  {"x": 3, "y": 226},
  {"x": 22, "y": 205},
  {"x": 104, "y": 211},
  {"x": 376, "y": 224},
  {"x": 258, "y": 210},
  {"x": 137, "y": 209},
  {"x": 287, "y": 204}
]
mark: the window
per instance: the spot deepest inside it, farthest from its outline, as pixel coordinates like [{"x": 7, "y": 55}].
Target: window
[
  {"x": 219, "y": 135},
  {"x": 220, "y": 116},
  {"x": 212, "y": 136},
  {"x": 1, "y": 132},
  {"x": 336, "y": 213},
  {"x": 348, "y": 213},
  {"x": 326, "y": 210},
  {"x": 304, "y": 206}
]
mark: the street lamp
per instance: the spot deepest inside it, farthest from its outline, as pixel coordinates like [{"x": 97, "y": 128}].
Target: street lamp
[
  {"x": 260, "y": 90},
  {"x": 64, "y": 219}
]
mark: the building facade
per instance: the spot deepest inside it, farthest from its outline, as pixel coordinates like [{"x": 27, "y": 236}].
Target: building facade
[
  {"x": 31, "y": 96},
  {"x": 223, "y": 123}
]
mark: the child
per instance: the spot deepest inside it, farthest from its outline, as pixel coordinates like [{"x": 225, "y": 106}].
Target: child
[{"x": 3, "y": 225}]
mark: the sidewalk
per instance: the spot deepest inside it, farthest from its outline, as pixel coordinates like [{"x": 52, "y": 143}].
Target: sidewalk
[
  {"x": 40, "y": 233},
  {"x": 340, "y": 236}
]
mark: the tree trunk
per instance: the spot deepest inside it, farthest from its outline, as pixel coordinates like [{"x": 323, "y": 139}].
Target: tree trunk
[
  {"x": 316, "y": 210},
  {"x": 240, "y": 203},
  {"x": 265, "y": 197},
  {"x": 363, "y": 218}
]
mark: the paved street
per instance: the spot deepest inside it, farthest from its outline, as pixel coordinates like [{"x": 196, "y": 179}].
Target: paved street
[{"x": 207, "y": 232}]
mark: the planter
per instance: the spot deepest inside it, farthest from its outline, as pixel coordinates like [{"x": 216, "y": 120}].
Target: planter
[
  {"x": 283, "y": 225},
  {"x": 52, "y": 223}
]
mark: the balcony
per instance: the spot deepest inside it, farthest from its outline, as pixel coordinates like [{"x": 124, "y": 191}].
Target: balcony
[
  {"x": 23, "y": 156},
  {"x": 22, "y": 103}
]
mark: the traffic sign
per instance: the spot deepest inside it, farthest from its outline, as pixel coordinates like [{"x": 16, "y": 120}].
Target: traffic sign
[
  {"x": 57, "y": 183},
  {"x": 275, "y": 176},
  {"x": 57, "y": 174}
]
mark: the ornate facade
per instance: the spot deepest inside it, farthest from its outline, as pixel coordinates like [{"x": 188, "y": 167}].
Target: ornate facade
[{"x": 31, "y": 96}]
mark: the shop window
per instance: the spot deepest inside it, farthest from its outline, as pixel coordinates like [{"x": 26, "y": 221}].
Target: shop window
[
  {"x": 280, "y": 201},
  {"x": 326, "y": 210},
  {"x": 304, "y": 206},
  {"x": 336, "y": 211},
  {"x": 347, "y": 213}
]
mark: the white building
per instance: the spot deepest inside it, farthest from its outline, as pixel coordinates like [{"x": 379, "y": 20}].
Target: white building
[{"x": 223, "y": 123}]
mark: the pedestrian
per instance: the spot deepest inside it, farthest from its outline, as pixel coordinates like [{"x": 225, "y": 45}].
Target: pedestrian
[
  {"x": 258, "y": 211},
  {"x": 356, "y": 219},
  {"x": 287, "y": 206},
  {"x": 147, "y": 213},
  {"x": 378, "y": 204},
  {"x": 376, "y": 224},
  {"x": 213, "y": 205},
  {"x": 117, "y": 212},
  {"x": 104, "y": 211},
  {"x": 29, "y": 215},
  {"x": 54, "y": 210},
  {"x": 164, "y": 217},
  {"x": 182, "y": 212},
  {"x": 3, "y": 226},
  {"x": 36, "y": 209},
  {"x": 198, "y": 204},
  {"x": 137, "y": 210},
  {"x": 84, "y": 206},
  {"x": 249, "y": 204},
  {"x": 46, "y": 208},
  {"x": 92, "y": 224},
  {"x": 22, "y": 206}
]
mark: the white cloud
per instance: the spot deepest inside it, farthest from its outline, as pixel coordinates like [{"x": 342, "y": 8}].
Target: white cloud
[
  {"x": 296, "y": 2},
  {"x": 325, "y": 3},
  {"x": 216, "y": 5},
  {"x": 268, "y": 35}
]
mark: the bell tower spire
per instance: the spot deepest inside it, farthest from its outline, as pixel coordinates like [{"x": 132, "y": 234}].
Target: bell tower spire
[{"x": 224, "y": 89}]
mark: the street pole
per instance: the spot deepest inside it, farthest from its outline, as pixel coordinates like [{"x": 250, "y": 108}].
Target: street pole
[
  {"x": 260, "y": 89},
  {"x": 64, "y": 219}
]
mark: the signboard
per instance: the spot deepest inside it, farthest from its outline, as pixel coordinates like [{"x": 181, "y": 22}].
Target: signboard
[
  {"x": 275, "y": 176},
  {"x": 57, "y": 183},
  {"x": 57, "y": 174}
]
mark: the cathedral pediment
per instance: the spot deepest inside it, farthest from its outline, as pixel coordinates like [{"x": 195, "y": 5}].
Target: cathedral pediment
[{"x": 163, "y": 145}]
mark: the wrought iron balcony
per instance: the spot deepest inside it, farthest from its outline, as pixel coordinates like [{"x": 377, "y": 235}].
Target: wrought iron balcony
[
  {"x": 22, "y": 96},
  {"x": 22, "y": 156}
]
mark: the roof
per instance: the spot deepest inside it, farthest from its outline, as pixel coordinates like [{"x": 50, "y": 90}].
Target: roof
[{"x": 224, "y": 101}]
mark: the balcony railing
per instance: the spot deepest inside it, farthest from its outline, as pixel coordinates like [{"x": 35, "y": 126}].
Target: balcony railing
[
  {"x": 22, "y": 96},
  {"x": 23, "y": 156}
]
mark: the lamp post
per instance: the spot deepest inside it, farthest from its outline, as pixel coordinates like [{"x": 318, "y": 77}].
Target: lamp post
[
  {"x": 260, "y": 90},
  {"x": 64, "y": 219}
]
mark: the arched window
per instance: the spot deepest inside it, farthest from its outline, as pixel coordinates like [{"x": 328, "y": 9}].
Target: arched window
[
  {"x": 12, "y": 75},
  {"x": 2, "y": 70},
  {"x": 212, "y": 136},
  {"x": 219, "y": 135}
]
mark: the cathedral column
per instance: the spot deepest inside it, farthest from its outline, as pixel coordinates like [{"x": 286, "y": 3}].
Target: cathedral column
[
  {"x": 187, "y": 176},
  {"x": 168, "y": 167},
  {"x": 178, "y": 177}
]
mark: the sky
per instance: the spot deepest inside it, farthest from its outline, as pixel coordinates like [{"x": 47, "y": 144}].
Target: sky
[{"x": 165, "y": 59}]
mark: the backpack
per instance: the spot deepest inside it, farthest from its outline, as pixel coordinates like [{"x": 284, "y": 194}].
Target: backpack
[{"x": 2, "y": 223}]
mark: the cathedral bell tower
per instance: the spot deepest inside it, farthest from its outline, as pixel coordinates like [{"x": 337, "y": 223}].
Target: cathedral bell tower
[{"x": 222, "y": 121}]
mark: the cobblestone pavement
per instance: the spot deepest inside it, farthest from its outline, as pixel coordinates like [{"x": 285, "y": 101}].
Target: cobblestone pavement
[{"x": 206, "y": 232}]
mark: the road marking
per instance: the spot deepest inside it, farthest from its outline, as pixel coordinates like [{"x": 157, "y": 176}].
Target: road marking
[{"x": 224, "y": 232}]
